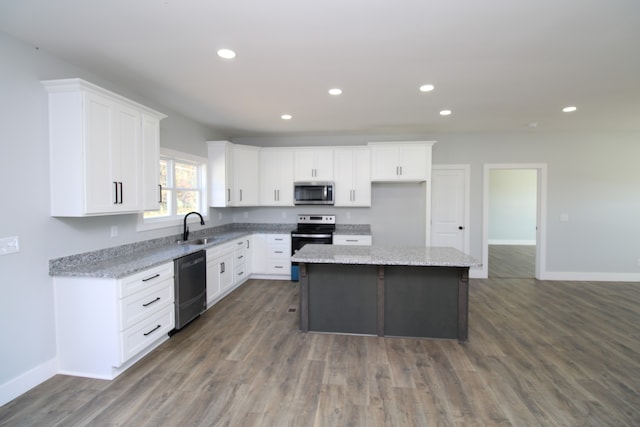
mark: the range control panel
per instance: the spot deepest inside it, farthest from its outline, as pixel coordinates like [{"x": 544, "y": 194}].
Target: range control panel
[{"x": 316, "y": 219}]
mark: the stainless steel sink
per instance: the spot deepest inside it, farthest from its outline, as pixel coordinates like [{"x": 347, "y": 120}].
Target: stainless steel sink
[{"x": 198, "y": 242}]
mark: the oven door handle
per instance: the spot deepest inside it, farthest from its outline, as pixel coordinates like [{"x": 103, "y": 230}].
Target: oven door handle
[{"x": 313, "y": 236}]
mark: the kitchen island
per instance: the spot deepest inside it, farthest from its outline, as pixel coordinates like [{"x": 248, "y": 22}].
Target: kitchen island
[{"x": 385, "y": 290}]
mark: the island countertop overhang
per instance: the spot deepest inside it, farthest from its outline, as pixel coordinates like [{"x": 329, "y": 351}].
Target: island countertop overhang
[{"x": 429, "y": 256}]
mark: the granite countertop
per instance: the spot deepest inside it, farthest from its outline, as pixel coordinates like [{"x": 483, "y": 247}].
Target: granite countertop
[
  {"x": 385, "y": 255},
  {"x": 121, "y": 261},
  {"x": 124, "y": 260}
]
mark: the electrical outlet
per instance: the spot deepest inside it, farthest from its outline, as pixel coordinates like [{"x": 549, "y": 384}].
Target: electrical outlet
[
  {"x": 284, "y": 214},
  {"x": 219, "y": 216},
  {"x": 114, "y": 231},
  {"x": 9, "y": 245},
  {"x": 246, "y": 214}
]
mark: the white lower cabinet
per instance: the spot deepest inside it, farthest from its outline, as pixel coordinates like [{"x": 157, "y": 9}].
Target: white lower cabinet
[
  {"x": 103, "y": 326},
  {"x": 219, "y": 272},
  {"x": 272, "y": 255},
  {"x": 228, "y": 266},
  {"x": 352, "y": 239}
]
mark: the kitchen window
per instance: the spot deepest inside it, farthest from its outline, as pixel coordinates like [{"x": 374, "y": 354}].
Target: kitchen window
[{"x": 183, "y": 178}]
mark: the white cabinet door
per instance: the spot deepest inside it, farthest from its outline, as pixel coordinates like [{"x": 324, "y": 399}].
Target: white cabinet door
[
  {"x": 233, "y": 174},
  {"x": 114, "y": 156},
  {"x": 401, "y": 161},
  {"x": 225, "y": 272},
  {"x": 352, "y": 177},
  {"x": 313, "y": 164},
  {"x": 259, "y": 254},
  {"x": 276, "y": 177},
  {"x": 246, "y": 176},
  {"x": 151, "y": 189}
]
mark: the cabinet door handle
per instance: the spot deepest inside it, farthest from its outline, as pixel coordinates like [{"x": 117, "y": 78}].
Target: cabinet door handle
[
  {"x": 151, "y": 302},
  {"x": 247, "y": 243},
  {"x": 160, "y": 193},
  {"x": 151, "y": 278},
  {"x": 121, "y": 193},
  {"x": 152, "y": 331},
  {"x": 400, "y": 170},
  {"x": 275, "y": 195},
  {"x": 115, "y": 192},
  {"x": 222, "y": 267},
  {"x": 240, "y": 194},
  {"x": 228, "y": 194}
]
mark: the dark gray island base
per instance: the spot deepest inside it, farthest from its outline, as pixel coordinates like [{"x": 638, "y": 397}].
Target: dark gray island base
[{"x": 384, "y": 291}]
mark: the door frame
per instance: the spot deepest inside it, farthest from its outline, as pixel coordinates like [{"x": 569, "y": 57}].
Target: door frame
[
  {"x": 541, "y": 214},
  {"x": 466, "y": 168}
]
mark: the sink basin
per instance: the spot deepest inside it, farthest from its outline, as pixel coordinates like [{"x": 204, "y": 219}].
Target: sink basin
[{"x": 197, "y": 242}]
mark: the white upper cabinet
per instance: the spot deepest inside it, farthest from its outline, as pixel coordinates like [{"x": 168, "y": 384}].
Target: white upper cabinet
[
  {"x": 96, "y": 150},
  {"x": 234, "y": 174},
  {"x": 352, "y": 176},
  {"x": 276, "y": 177},
  {"x": 313, "y": 164},
  {"x": 401, "y": 161},
  {"x": 151, "y": 189}
]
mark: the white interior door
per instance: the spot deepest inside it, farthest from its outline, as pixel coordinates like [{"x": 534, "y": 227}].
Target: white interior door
[{"x": 449, "y": 206}]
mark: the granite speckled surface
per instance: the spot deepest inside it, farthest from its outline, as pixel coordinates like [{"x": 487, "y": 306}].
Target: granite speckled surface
[
  {"x": 385, "y": 255},
  {"x": 124, "y": 260},
  {"x": 353, "y": 229}
]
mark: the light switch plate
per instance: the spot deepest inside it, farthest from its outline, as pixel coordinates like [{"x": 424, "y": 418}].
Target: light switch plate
[{"x": 9, "y": 245}]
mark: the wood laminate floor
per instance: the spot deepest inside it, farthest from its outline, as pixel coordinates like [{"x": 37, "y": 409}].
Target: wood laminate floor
[
  {"x": 514, "y": 261},
  {"x": 547, "y": 354}
]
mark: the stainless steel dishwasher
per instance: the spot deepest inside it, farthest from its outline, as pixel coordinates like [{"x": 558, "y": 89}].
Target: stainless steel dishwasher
[{"x": 190, "y": 287}]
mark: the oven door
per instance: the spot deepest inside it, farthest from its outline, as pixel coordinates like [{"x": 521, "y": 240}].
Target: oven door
[{"x": 298, "y": 240}]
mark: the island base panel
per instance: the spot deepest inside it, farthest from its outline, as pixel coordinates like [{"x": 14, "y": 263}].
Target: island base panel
[
  {"x": 421, "y": 302},
  {"x": 343, "y": 298}
]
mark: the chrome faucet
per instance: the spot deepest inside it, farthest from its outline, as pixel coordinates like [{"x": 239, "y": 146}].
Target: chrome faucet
[{"x": 185, "y": 233}]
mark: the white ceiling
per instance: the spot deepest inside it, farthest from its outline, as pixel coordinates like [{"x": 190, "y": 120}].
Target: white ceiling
[{"x": 499, "y": 65}]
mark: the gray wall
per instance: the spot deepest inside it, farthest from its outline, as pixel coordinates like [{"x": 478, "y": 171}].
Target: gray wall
[
  {"x": 512, "y": 206},
  {"x": 26, "y": 306}
]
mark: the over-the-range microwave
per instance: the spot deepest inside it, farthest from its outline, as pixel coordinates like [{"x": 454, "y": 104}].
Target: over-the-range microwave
[{"x": 313, "y": 193}]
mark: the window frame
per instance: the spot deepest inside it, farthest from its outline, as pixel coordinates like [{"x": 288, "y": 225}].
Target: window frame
[{"x": 175, "y": 219}]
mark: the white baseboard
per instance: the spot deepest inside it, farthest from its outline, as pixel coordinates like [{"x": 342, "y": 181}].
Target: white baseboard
[
  {"x": 512, "y": 242},
  {"x": 25, "y": 382},
  {"x": 590, "y": 276}
]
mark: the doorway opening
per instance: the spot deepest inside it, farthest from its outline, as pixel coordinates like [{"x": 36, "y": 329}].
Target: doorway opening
[{"x": 514, "y": 220}]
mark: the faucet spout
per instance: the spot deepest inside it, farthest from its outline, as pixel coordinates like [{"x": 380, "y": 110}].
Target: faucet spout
[{"x": 185, "y": 232}]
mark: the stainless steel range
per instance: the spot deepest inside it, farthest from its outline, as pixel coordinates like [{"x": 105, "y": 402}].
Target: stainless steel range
[{"x": 316, "y": 229}]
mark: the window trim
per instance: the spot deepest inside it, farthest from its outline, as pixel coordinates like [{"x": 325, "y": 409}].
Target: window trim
[{"x": 158, "y": 223}]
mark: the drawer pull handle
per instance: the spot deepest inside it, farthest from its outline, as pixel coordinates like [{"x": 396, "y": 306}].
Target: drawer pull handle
[
  {"x": 151, "y": 302},
  {"x": 150, "y": 278},
  {"x": 279, "y": 266},
  {"x": 278, "y": 252},
  {"x": 152, "y": 331}
]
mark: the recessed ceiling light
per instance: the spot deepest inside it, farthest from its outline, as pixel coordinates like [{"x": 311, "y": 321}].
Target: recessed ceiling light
[
  {"x": 445, "y": 112},
  {"x": 226, "y": 54},
  {"x": 569, "y": 109},
  {"x": 335, "y": 91},
  {"x": 286, "y": 117},
  {"x": 427, "y": 88}
]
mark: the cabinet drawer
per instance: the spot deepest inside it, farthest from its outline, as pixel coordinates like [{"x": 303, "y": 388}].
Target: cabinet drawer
[
  {"x": 145, "y": 279},
  {"x": 240, "y": 271},
  {"x": 361, "y": 240},
  {"x": 279, "y": 239},
  {"x": 143, "y": 334},
  {"x": 278, "y": 267},
  {"x": 279, "y": 252},
  {"x": 143, "y": 304}
]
